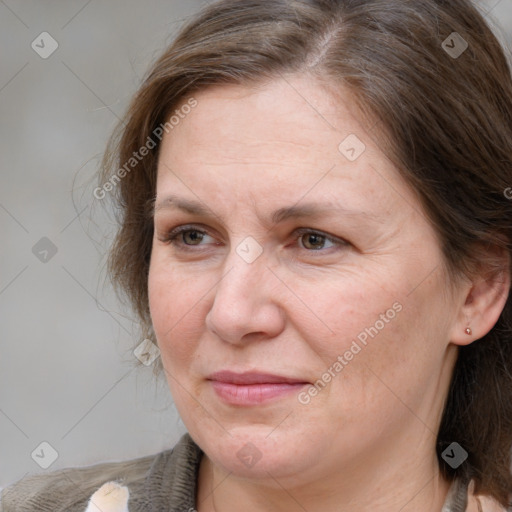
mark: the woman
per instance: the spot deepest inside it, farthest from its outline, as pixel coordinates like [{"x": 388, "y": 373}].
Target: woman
[{"x": 315, "y": 230}]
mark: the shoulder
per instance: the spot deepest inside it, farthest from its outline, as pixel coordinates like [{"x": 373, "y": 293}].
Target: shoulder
[
  {"x": 69, "y": 489},
  {"x": 482, "y": 503}
]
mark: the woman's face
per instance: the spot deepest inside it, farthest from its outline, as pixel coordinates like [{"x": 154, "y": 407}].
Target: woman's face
[{"x": 307, "y": 257}]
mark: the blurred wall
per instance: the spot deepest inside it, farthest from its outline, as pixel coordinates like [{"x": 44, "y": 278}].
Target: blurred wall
[
  {"x": 68, "y": 395},
  {"x": 65, "y": 374}
]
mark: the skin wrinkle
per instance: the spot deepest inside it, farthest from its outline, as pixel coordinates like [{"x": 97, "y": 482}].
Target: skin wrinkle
[{"x": 364, "y": 442}]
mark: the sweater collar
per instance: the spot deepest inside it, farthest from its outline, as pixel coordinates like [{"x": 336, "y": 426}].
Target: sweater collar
[{"x": 171, "y": 484}]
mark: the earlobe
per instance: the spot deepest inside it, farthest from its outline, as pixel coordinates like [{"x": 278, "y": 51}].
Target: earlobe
[{"x": 482, "y": 305}]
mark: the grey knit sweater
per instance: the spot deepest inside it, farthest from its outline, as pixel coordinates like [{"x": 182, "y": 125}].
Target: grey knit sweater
[{"x": 164, "y": 482}]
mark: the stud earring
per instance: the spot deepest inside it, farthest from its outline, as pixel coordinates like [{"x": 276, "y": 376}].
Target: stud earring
[{"x": 468, "y": 331}]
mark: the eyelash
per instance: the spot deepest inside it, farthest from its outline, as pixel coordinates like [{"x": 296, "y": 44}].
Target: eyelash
[{"x": 172, "y": 236}]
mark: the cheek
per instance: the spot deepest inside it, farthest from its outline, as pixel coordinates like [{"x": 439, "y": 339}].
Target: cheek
[
  {"x": 360, "y": 332},
  {"x": 176, "y": 311},
  {"x": 390, "y": 349},
  {"x": 356, "y": 307},
  {"x": 361, "y": 320}
]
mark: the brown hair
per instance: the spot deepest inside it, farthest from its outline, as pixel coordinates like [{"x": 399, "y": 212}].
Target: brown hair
[{"x": 446, "y": 122}]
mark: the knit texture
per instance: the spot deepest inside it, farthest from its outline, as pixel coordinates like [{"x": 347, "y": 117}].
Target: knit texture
[{"x": 165, "y": 482}]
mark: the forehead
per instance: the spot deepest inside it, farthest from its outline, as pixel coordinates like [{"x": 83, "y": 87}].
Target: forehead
[
  {"x": 285, "y": 139},
  {"x": 281, "y": 115}
]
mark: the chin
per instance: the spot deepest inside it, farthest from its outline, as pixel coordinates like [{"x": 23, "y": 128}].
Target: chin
[{"x": 250, "y": 452}]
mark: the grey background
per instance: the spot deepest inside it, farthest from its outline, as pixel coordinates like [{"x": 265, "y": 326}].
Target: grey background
[{"x": 66, "y": 372}]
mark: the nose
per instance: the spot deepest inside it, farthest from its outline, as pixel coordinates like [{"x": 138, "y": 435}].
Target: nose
[{"x": 245, "y": 306}]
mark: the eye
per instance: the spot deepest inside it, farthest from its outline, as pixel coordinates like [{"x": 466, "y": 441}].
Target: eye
[
  {"x": 193, "y": 236},
  {"x": 185, "y": 236},
  {"x": 315, "y": 241}
]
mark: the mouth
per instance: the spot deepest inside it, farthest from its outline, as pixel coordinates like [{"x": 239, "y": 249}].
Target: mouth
[{"x": 253, "y": 388}]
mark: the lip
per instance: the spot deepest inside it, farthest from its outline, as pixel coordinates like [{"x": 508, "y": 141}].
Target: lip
[
  {"x": 253, "y": 388},
  {"x": 253, "y": 378}
]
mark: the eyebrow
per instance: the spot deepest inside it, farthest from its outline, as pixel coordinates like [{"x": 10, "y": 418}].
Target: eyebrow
[{"x": 295, "y": 211}]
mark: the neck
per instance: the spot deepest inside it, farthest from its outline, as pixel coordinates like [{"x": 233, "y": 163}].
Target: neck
[{"x": 413, "y": 487}]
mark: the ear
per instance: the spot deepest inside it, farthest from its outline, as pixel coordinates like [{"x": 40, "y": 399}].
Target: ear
[{"x": 483, "y": 298}]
